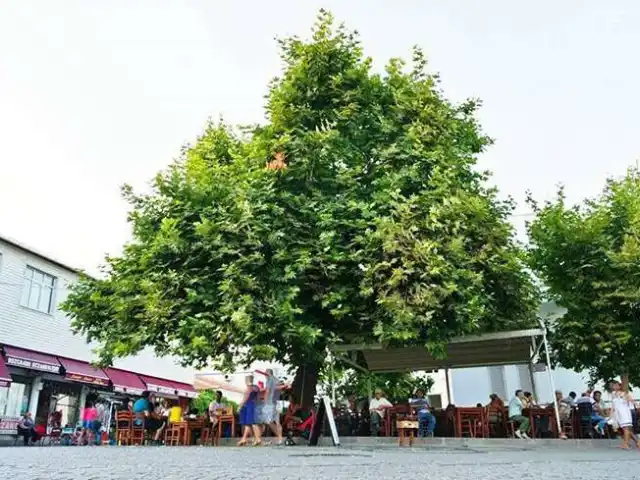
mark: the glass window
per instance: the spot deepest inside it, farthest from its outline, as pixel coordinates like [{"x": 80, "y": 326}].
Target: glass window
[
  {"x": 14, "y": 400},
  {"x": 38, "y": 291}
]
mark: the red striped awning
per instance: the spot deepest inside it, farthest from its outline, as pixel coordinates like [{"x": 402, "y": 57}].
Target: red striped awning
[
  {"x": 186, "y": 390},
  {"x": 5, "y": 376},
  {"x": 125, "y": 382},
  {"x": 83, "y": 372},
  {"x": 19, "y": 357},
  {"x": 160, "y": 385}
]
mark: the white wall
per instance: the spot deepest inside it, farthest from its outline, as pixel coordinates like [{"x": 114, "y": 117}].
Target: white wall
[{"x": 50, "y": 333}]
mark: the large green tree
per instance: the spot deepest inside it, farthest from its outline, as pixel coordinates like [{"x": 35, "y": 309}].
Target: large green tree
[
  {"x": 588, "y": 256},
  {"x": 375, "y": 227}
]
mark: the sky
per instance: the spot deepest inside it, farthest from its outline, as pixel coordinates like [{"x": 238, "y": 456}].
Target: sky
[{"x": 97, "y": 94}]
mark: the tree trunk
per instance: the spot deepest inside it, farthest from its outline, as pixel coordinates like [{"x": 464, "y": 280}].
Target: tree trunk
[{"x": 304, "y": 384}]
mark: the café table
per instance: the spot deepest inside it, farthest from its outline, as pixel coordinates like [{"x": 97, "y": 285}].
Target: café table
[
  {"x": 192, "y": 426},
  {"x": 547, "y": 413}
]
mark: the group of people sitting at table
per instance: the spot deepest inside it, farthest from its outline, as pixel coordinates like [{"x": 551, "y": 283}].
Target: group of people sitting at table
[{"x": 589, "y": 407}]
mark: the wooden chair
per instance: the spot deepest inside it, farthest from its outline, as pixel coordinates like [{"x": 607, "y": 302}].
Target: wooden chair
[
  {"x": 124, "y": 427},
  {"x": 567, "y": 426},
  {"x": 176, "y": 434},
  {"x": 227, "y": 416},
  {"x": 137, "y": 432},
  {"x": 470, "y": 421}
]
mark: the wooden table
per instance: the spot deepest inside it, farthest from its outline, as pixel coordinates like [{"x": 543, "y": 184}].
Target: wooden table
[
  {"x": 542, "y": 412},
  {"x": 193, "y": 426}
]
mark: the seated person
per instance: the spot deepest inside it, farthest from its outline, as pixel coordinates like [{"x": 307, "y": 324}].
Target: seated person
[
  {"x": 78, "y": 438},
  {"x": 564, "y": 408},
  {"x": 587, "y": 403},
  {"x": 161, "y": 413},
  {"x": 215, "y": 409},
  {"x": 529, "y": 401},
  {"x": 515, "y": 414},
  {"x": 495, "y": 407},
  {"x": 174, "y": 413},
  {"x": 144, "y": 415},
  {"x": 426, "y": 420},
  {"x": 27, "y": 430},
  {"x": 378, "y": 407}
]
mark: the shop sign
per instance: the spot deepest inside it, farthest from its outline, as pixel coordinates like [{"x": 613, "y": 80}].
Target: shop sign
[
  {"x": 187, "y": 393},
  {"x": 9, "y": 425},
  {"x": 33, "y": 365},
  {"x": 129, "y": 390},
  {"x": 88, "y": 379},
  {"x": 163, "y": 390}
]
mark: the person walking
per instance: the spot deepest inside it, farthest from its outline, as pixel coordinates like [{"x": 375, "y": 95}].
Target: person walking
[
  {"x": 270, "y": 414},
  {"x": 621, "y": 405},
  {"x": 247, "y": 415}
]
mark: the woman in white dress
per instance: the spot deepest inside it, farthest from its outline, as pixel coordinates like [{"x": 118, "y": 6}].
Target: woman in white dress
[{"x": 621, "y": 411}]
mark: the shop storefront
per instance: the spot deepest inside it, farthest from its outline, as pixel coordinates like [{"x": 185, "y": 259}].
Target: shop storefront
[{"x": 54, "y": 389}]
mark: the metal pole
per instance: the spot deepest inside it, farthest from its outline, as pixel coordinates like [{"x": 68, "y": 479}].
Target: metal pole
[
  {"x": 446, "y": 378},
  {"x": 332, "y": 380},
  {"x": 551, "y": 382}
]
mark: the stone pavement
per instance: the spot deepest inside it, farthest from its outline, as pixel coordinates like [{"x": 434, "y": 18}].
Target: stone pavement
[{"x": 283, "y": 463}]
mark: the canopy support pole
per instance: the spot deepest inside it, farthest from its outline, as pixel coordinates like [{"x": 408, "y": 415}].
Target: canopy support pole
[
  {"x": 551, "y": 382},
  {"x": 446, "y": 378}
]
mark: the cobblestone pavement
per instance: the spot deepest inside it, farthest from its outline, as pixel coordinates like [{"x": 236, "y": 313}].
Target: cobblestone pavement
[{"x": 283, "y": 463}]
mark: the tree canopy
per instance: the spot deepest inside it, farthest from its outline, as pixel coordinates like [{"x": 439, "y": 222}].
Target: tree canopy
[
  {"x": 588, "y": 256},
  {"x": 354, "y": 213}
]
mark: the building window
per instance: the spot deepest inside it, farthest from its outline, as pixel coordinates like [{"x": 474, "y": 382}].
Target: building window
[
  {"x": 435, "y": 400},
  {"x": 14, "y": 400},
  {"x": 38, "y": 290}
]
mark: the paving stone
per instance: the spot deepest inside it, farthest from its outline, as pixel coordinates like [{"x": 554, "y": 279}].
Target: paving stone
[{"x": 284, "y": 463}]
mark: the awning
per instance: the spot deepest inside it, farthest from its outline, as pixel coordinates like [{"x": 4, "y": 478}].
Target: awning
[
  {"x": 159, "y": 385},
  {"x": 503, "y": 348},
  {"x": 186, "y": 390},
  {"x": 79, "y": 371},
  {"x": 18, "y": 357},
  {"x": 125, "y": 382},
  {"x": 5, "y": 376}
]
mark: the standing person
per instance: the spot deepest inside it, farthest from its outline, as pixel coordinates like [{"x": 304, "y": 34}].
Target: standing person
[
  {"x": 248, "y": 413},
  {"x": 515, "y": 414},
  {"x": 270, "y": 415},
  {"x": 378, "y": 407},
  {"x": 90, "y": 423},
  {"x": 621, "y": 411},
  {"x": 426, "y": 420}
]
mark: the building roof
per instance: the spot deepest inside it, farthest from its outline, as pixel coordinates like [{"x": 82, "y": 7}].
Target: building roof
[
  {"x": 33, "y": 251},
  {"x": 504, "y": 348}
]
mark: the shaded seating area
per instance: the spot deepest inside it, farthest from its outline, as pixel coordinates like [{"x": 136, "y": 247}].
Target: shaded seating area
[{"x": 521, "y": 347}]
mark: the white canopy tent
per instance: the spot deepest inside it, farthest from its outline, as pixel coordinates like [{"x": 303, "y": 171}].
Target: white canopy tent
[{"x": 491, "y": 349}]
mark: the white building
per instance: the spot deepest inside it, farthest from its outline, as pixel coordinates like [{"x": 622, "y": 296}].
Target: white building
[{"x": 44, "y": 367}]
